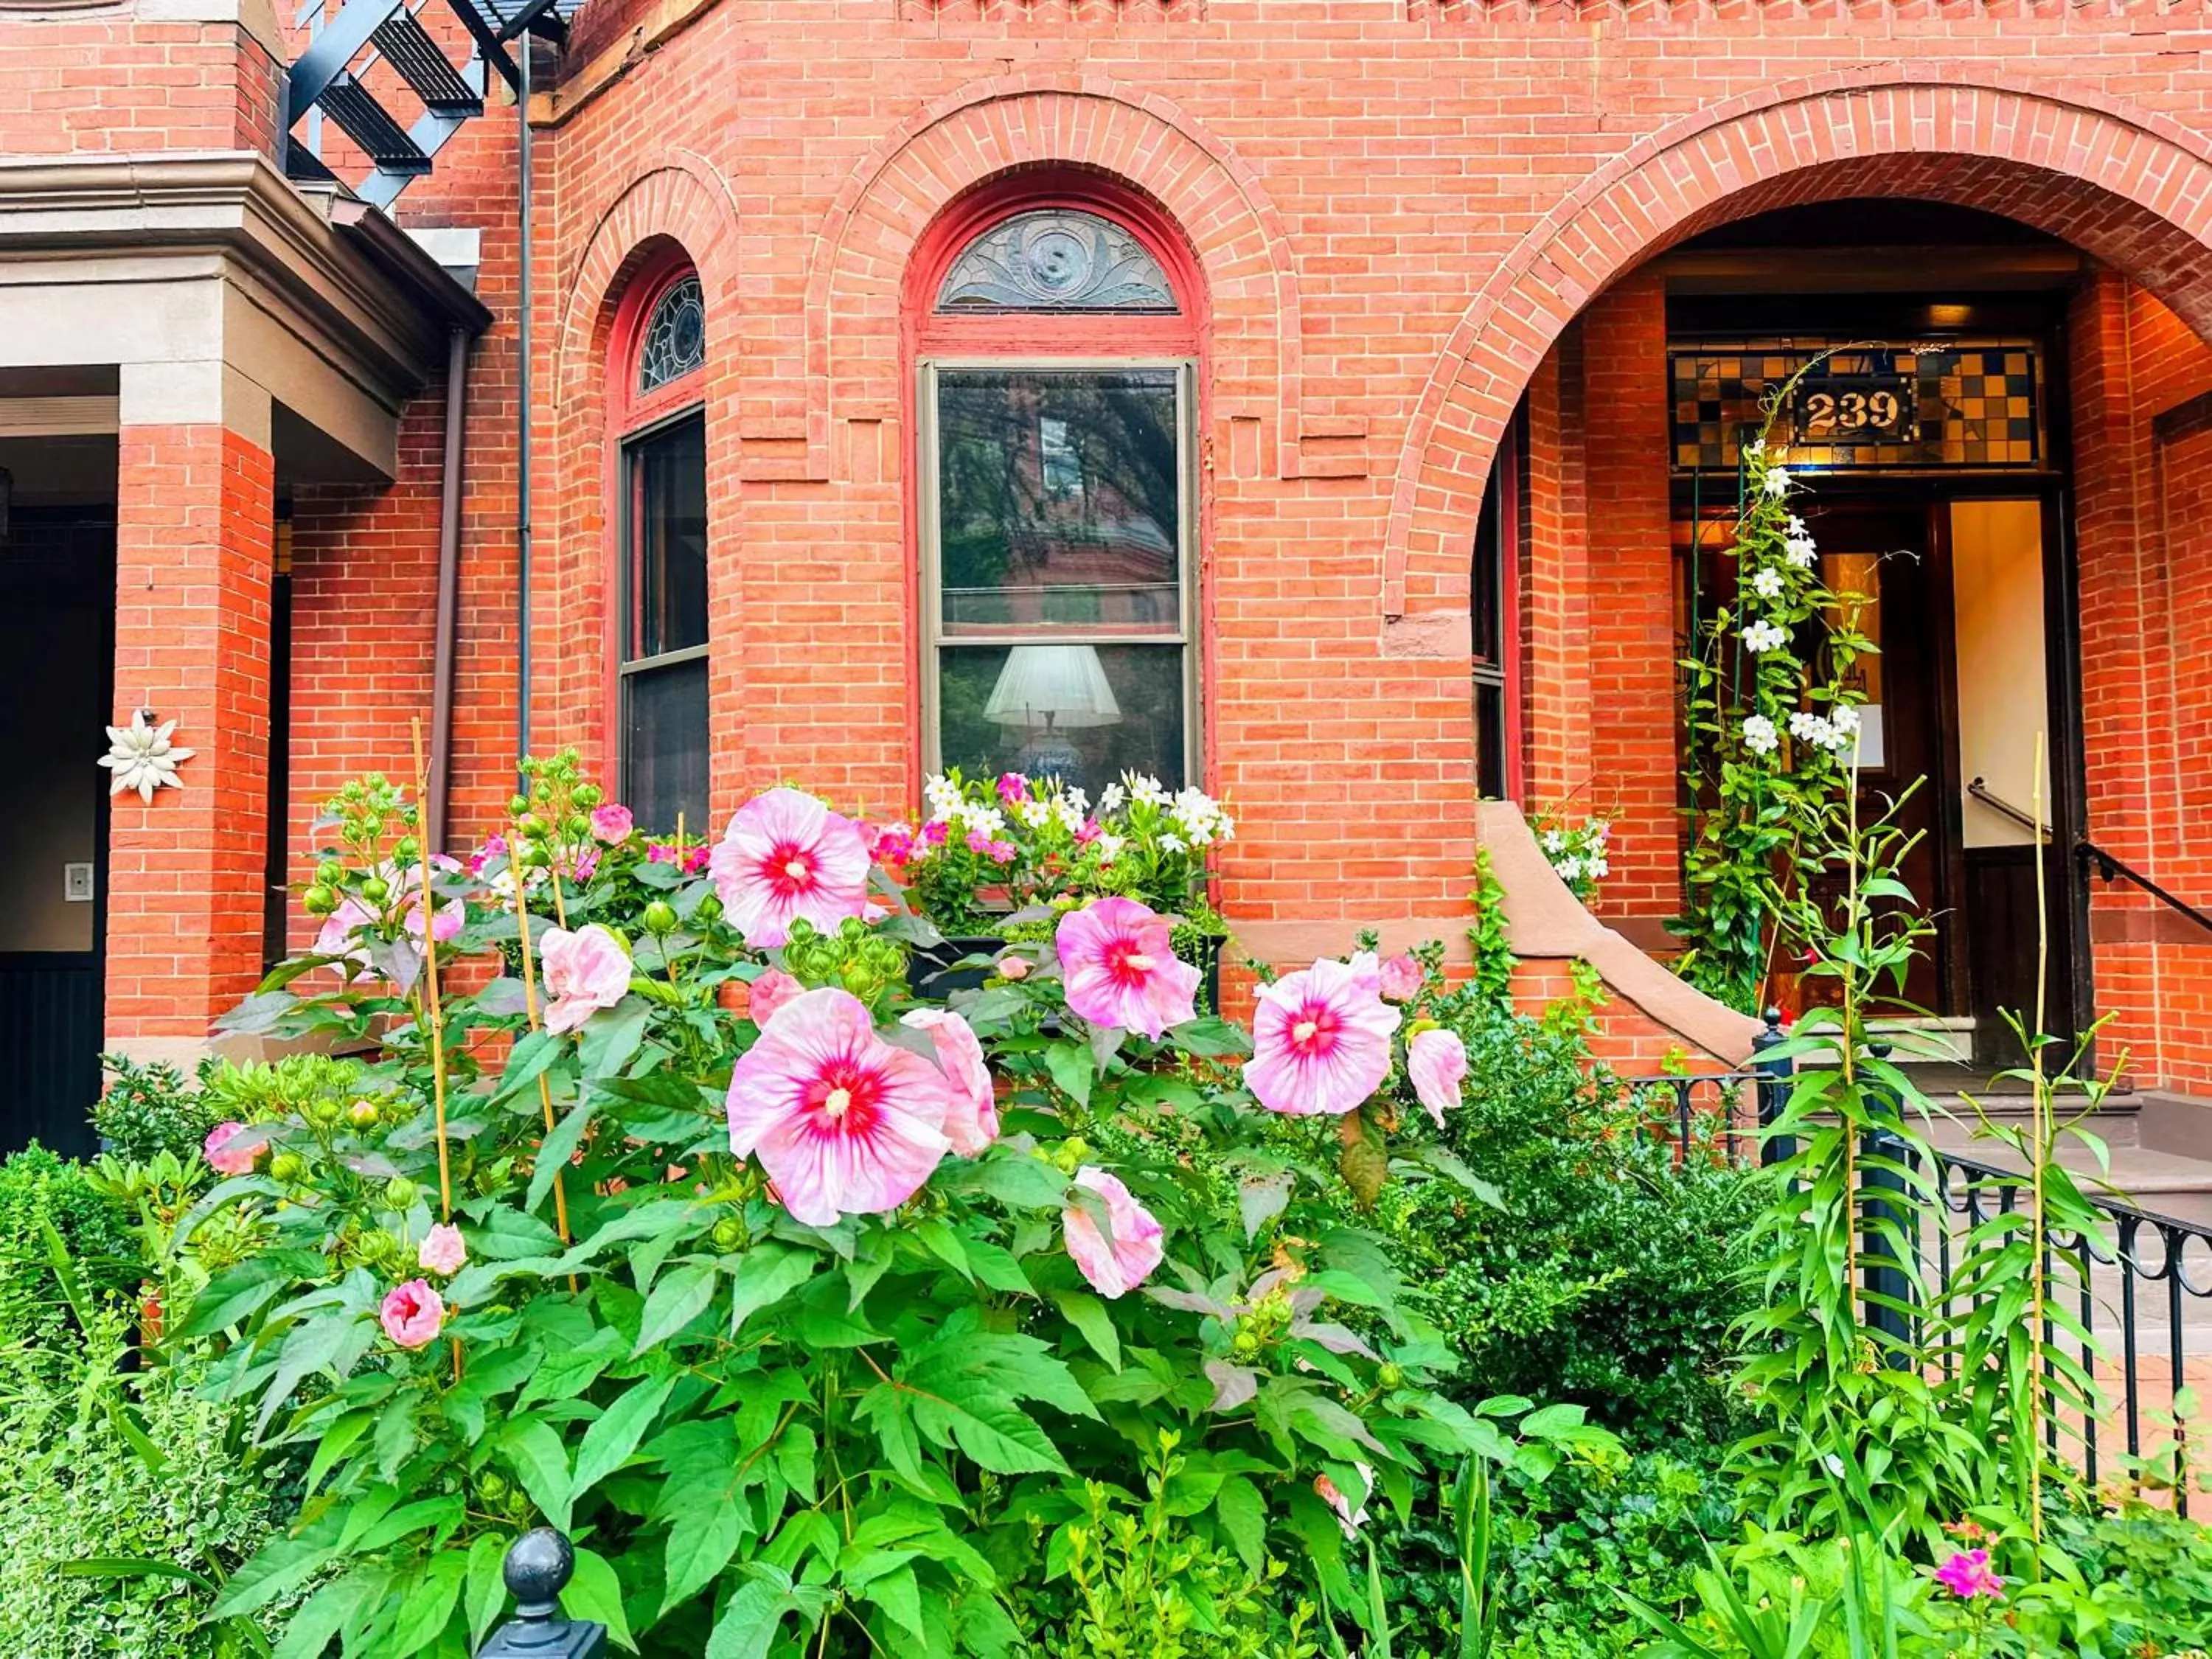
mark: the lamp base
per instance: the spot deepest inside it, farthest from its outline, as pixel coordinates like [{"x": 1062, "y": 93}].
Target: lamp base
[{"x": 1049, "y": 756}]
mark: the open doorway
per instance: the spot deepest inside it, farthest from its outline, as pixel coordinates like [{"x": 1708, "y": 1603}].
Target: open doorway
[
  {"x": 56, "y": 668},
  {"x": 1929, "y": 434}
]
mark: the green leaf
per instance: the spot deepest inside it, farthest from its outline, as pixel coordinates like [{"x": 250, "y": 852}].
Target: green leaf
[
  {"x": 427, "y": 1606},
  {"x": 700, "y": 1545},
  {"x": 282, "y": 1564},
  {"x": 681, "y": 1296},
  {"x": 540, "y": 1463},
  {"x": 1089, "y": 1316},
  {"x": 612, "y": 1036},
  {"x": 991, "y": 1429},
  {"x": 334, "y": 1443},
  {"x": 323, "y": 1615},
  {"x": 768, "y": 1272},
  {"x": 596, "y": 1593},
  {"x": 609, "y": 1442},
  {"x": 899, "y": 1596},
  {"x": 1070, "y": 1066},
  {"x": 1243, "y": 1516},
  {"x": 561, "y": 1145},
  {"x": 749, "y": 1623},
  {"x": 486, "y": 1585},
  {"x": 230, "y": 1297}
]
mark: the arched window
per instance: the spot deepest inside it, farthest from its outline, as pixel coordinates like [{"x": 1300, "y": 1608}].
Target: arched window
[
  {"x": 1058, "y": 338},
  {"x": 661, "y": 656}
]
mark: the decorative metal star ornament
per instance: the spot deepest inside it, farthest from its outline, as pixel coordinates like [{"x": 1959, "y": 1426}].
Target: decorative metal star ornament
[{"x": 141, "y": 757}]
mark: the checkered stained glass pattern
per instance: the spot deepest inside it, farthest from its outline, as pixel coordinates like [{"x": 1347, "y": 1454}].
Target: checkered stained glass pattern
[{"x": 1969, "y": 406}]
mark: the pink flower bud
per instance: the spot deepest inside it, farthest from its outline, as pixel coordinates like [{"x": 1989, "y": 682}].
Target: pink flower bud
[
  {"x": 412, "y": 1314},
  {"x": 443, "y": 1252}
]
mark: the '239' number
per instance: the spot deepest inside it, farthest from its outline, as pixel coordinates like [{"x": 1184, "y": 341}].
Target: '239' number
[{"x": 1827, "y": 413}]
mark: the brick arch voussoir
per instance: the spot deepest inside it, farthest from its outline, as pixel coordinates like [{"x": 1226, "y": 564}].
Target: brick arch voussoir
[
  {"x": 683, "y": 203},
  {"x": 993, "y": 127},
  {"x": 2130, "y": 188}
]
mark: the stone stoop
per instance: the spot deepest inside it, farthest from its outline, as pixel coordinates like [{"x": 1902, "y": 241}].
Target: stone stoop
[{"x": 2160, "y": 1146}]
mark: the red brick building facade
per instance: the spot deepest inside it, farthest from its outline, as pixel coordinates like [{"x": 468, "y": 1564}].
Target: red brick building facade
[{"x": 1385, "y": 227}]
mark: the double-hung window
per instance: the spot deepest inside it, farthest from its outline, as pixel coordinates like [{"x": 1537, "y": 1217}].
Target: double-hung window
[
  {"x": 1057, "y": 395},
  {"x": 661, "y": 662}
]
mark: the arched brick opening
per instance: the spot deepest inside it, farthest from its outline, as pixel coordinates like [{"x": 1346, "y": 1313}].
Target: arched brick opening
[
  {"x": 670, "y": 212},
  {"x": 2128, "y": 187}
]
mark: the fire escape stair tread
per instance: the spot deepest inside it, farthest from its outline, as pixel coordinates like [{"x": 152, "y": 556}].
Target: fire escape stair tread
[
  {"x": 417, "y": 59},
  {"x": 370, "y": 125}
]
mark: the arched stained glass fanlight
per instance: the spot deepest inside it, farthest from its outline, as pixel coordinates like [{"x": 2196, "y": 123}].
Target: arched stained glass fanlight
[
  {"x": 1056, "y": 259},
  {"x": 674, "y": 337}
]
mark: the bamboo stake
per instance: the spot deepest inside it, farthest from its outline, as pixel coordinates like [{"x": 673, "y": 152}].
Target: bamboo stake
[
  {"x": 515, "y": 869},
  {"x": 2037, "y": 1160},
  {"x": 434, "y": 1003}
]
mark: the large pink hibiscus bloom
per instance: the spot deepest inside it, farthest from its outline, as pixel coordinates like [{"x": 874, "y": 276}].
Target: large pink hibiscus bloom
[
  {"x": 1320, "y": 1039},
  {"x": 1121, "y": 968},
  {"x": 786, "y": 855},
  {"x": 843, "y": 1122},
  {"x": 1436, "y": 1059}
]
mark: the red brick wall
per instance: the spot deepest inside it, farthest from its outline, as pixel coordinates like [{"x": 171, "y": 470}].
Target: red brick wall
[
  {"x": 115, "y": 85},
  {"x": 194, "y": 545}
]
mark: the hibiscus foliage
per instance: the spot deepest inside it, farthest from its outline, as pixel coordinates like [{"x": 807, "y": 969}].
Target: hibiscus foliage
[{"x": 825, "y": 1321}]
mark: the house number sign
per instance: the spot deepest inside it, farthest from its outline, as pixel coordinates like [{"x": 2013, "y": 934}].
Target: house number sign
[{"x": 1853, "y": 409}]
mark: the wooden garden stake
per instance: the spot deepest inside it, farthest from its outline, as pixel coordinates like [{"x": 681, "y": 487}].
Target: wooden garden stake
[
  {"x": 436, "y": 1009},
  {"x": 514, "y": 868}
]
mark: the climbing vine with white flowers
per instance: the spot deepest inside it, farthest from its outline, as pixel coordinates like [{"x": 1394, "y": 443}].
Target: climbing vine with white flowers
[{"x": 1773, "y": 720}]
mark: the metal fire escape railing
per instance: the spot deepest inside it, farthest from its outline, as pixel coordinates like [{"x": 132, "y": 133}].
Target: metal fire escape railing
[{"x": 330, "y": 80}]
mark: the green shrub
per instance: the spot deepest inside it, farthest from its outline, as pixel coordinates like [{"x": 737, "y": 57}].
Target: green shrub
[
  {"x": 39, "y": 1188},
  {"x": 150, "y": 1109},
  {"x": 73, "y": 1488}
]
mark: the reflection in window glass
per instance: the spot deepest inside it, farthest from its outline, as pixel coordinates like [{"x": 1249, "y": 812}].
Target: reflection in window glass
[
  {"x": 664, "y": 670},
  {"x": 1059, "y": 499},
  {"x": 1082, "y": 713}
]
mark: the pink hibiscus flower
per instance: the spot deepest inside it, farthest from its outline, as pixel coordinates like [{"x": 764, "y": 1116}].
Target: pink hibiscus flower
[
  {"x": 843, "y": 1122},
  {"x": 1119, "y": 1259},
  {"x": 584, "y": 971},
  {"x": 786, "y": 855},
  {"x": 1401, "y": 977},
  {"x": 770, "y": 992},
  {"x": 223, "y": 1161},
  {"x": 1436, "y": 1059},
  {"x": 412, "y": 1314},
  {"x": 1121, "y": 968},
  {"x": 443, "y": 1250},
  {"x": 973, "y": 1123},
  {"x": 1320, "y": 1039},
  {"x": 336, "y": 938},
  {"x": 612, "y": 823}
]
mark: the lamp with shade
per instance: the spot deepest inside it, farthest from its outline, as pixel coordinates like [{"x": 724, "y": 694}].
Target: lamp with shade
[{"x": 1048, "y": 689}]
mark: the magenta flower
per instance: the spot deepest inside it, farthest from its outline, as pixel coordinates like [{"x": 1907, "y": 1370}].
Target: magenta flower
[
  {"x": 1320, "y": 1039},
  {"x": 587, "y": 865},
  {"x": 612, "y": 823},
  {"x": 220, "y": 1159},
  {"x": 1013, "y": 787},
  {"x": 787, "y": 856},
  {"x": 1121, "y": 968},
  {"x": 1121, "y": 1258},
  {"x": 584, "y": 971},
  {"x": 1401, "y": 977},
  {"x": 893, "y": 844},
  {"x": 663, "y": 852},
  {"x": 972, "y": 1124},
  {"x": 770, "y": 992},
  {"x": 935, "y": 831},
  {"x": 443, "y": 1251},
  {"x": 447, "y": 926},
  {"x": 1089, "y": 831},
  {"x": 494, "y": 848},
  {"x": 843, "y": 1122},
  {"x": 1436, "y": 1059},
  {"x": 1966, "y": 1575},
  {"x": 412, "y": 1314}
]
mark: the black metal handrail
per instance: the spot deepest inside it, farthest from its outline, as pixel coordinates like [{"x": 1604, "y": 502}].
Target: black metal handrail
[
  {"x": 2116, "y": 1275},
  {"x": 1980, "y": 790},
  {"x": 2109, "y": 867}
]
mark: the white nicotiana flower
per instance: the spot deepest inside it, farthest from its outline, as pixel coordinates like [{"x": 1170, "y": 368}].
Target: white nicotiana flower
[
  {"x": 1110, "y": 799},
  {"x": 1778, "y": 482},
  {"x": 1078, "y": 799},
  {"x": 1766, "y": 582},
  {"x": 1807, "y": 727},
  {"x": 1754, "y": 449},
  {"x": 1759, "y": 735},
  {"x": 1763, "y": 635},
  {"x": 1555, "y": 840},
  {"x": 1795, "y": 525},
  {"x": 1224, "y": 827},
  {"x": 1146, "y": 791},
  {"x": 1801, "y": 551}
]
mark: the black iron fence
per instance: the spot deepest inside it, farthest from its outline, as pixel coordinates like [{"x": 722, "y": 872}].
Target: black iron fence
[{"x": 2141, "y": 1284}]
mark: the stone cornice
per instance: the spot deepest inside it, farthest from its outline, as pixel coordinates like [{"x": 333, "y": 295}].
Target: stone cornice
[{"x": 341, "y": 275}]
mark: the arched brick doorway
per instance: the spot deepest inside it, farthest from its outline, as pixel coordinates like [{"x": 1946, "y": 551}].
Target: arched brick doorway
[{"x": 2130, "y": 192}]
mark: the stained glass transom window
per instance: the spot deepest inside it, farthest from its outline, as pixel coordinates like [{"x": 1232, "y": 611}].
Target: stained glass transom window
[
  {"x": 674, "y": 337},
  {"x": 1056, "y": 259},
  {"x": 1966, "y": 406}
]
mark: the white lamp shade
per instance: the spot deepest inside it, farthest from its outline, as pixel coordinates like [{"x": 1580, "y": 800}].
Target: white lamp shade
[{"x": 1057, "y": 685}]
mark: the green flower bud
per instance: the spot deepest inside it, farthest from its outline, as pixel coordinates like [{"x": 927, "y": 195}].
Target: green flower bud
[
  {"x": 492, "y": 1487},
  {"x": 376, "y": 889},
  {"x": 407, "y": 850},
  {"x": 400, "y": 1193},
  {"x": 659, "y": 917},
  {"x": 518, "y": 805},
  {"x": 588, "y": 795},
  {"x": 852, "y": 930},
  {"x": 363, "y": 1114},
  {"x": 330, "y": 873},
  {"x": 322, "y": 1111},
  {"x": 530, "y": 824},
  {"x": 707, "y": 912},
  {"x": 729, "y": 1233},
  {"x": 318, "y": 900},
  {"x": 577, "y": 825},
  {"x": 287, "y": 1166},
  {"x": 1244, "y": 1344},
  {"x": 1391, "y": 1376}
]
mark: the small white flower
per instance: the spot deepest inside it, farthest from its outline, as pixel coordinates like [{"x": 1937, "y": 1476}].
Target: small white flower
[
  {"x": 1555, "y": 840},
  {"x": 1766, "y": 582},
  {"x": 1145, "y": 791},
  {"x": 1066, "y": 813},
  {"x": 1570, "y": 870},
  {"x": 1754, "y": 449},
  {"x": 1599, "y": 868},
  {"x": 1844, "y": 717},
  {"x": 1110, "y": 846},
  {"x": 1174, "y": 844},
  {"x": 1796, "y": 526},
  {"x": 1759, "y": 735},
  {"x": 1807, "y": 727},
  {"x": 1800, "y": 551},
  {"x": 1763, "y": 635},
  {"x": 1778, "y": 482},
  {"x": 1033, "y": 813},
  {"x": 1111, "y": 799}
]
